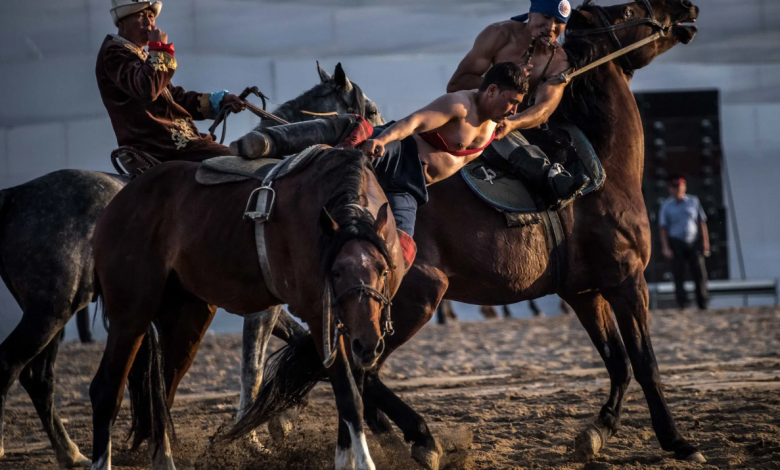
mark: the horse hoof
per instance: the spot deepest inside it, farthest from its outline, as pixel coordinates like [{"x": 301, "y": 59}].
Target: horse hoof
[
  {"x": 78, "y": 461},
  {"x": 428, "y": 458},
  {"x": 279, "y": 427},
  {"x": 587, "y": 444},
  {"x": 695, "y": 457}
]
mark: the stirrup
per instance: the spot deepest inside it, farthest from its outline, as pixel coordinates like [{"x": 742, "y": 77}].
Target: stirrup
[{"x": 131, "y": 161}]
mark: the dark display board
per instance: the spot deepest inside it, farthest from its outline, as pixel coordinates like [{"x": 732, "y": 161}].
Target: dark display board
[{"x": 682, "y": 135}]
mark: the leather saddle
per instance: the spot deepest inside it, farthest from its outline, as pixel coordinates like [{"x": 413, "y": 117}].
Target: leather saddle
[
  {"x": 230, "y": 169},
  {"x": 491, "y": 179}
]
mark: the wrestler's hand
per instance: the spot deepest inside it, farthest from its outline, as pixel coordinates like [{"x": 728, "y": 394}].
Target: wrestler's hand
[
  {"x": 504, "y": 128},
  {"x": 157, "y": 35},
  {"x": 372, "y": 148},
  {"x": 236, "y": 105}
]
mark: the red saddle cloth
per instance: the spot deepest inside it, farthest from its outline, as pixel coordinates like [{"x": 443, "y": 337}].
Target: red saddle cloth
[{"x": 409, "y": 248}]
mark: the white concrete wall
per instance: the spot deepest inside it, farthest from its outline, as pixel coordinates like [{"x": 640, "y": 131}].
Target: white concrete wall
[{"x": 402, "y": 53}]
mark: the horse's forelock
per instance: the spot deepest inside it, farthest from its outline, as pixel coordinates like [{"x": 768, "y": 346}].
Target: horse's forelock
[{"x": 344, "y": 180}]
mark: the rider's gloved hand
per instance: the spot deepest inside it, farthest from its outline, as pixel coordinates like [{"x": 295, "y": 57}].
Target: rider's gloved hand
[{"x": 236, "y": 105}]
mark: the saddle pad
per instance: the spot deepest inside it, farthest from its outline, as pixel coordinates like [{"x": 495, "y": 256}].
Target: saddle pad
[
  {"x": 230, "y": 169},
  {"x": 508, "y": 194}
]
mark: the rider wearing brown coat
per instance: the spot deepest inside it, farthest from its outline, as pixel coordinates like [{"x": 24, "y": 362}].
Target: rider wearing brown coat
[{"x": 147, "y": 112}]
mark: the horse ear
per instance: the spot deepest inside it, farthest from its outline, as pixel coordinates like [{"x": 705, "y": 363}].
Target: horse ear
[
  {"x": 382, "y": 216},
  {"x": 341, "y": 78},
  {"x": 324, "y": 76},
  {"x": 328, "y": 225}
]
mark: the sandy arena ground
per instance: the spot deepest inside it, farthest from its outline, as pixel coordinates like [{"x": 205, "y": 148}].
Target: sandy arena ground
[{"x": 498, "y": 395}]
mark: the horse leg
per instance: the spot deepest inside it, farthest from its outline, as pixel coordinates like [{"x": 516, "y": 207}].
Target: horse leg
[
  {"x": 351, "y": 447},
  {"x": 413, "y": 306},
  {"x": 37, "y": 329},
  {"x": 38, "y": 379},
  {"x": 82, "y": 325},
  {"x": 258, "y": 328},
  {"x": 594, "y": 314},
  {"x": 182, "y": 327},
  {"x": 630, "y": 302}
]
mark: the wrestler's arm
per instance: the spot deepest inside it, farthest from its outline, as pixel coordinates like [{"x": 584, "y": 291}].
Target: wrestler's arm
[
  {"x": 548, "y": 97},
  {"x": 468, "y": 75},
  {"x": 438, "y": 113}
]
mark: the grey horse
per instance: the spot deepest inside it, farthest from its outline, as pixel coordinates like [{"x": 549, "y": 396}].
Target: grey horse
[{"x": 46, "y": 228}]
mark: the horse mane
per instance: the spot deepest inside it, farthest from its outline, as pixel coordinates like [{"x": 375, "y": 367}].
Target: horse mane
[
  {"x": 287, "y": 109},
  {"x": 344, "y": 180},
  {"x": 586, "y": 101}
]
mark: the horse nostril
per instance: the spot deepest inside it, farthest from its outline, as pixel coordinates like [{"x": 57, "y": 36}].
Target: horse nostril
[
  {"x": 686, "y": 3},
  {"x": 357, "y": 347}
]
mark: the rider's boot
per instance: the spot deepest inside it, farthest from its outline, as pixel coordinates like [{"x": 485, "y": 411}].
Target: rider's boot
[
  {"x": 563, "y": 184},
  {"x": 531, "y": 164},
  {"x": 289, "y": 139}
]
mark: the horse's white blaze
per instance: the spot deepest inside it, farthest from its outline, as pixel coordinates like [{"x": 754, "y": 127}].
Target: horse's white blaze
[
  {"x": 344, "y": 459},
  {"x": 104, "y": 462},
  {"x": 360, "y": 450},
  {"x": 163, "y": 460}
]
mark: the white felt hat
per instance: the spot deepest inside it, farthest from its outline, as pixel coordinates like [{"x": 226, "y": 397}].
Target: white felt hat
[{"x": 123, "y": 8}]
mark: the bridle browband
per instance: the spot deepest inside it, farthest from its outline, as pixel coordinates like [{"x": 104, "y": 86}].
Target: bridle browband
[
  {"x": 608, "y": 28},
  {"x": 331, "y": 303}
]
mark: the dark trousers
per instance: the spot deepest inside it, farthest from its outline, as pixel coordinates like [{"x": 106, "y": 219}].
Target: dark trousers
[{"x": 689, "y": 254}]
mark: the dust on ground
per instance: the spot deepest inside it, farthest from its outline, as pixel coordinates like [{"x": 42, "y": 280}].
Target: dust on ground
[{"x": 497, "y": 394}]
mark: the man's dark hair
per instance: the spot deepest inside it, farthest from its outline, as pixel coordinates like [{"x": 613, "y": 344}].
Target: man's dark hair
[{"x": 507, "y": 76}]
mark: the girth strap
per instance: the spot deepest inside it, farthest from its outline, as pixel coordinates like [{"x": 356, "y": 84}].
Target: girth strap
[{"x": 556, "y": 241}]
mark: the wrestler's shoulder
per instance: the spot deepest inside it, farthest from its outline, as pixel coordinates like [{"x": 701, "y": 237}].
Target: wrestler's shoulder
[{"x": 503, "y": 31}]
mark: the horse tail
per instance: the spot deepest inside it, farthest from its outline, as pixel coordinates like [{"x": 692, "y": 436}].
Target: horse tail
[
  {"x": 291, "y": 373},
  {"x": 151, "y": 417}
]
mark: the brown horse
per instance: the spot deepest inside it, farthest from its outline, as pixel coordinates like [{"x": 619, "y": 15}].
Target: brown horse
[
  {"x": 467, "y": 253},
  {"x": 168, "y": 249}
]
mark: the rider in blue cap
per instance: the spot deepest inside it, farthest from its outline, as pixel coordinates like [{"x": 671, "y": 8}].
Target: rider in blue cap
[{"x": 534, "y": 33}]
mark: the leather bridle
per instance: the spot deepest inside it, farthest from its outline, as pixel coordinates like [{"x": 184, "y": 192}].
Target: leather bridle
[{"x": 608, "y": 28}]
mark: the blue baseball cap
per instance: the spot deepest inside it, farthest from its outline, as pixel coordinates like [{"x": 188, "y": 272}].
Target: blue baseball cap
[{"x": 558, "y": 9}]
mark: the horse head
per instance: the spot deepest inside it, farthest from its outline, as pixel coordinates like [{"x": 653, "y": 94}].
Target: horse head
[
  {"x": 334, "y": 94},
  {"x": 627, "y": 24},
  {"x": 363, "y": 267}
]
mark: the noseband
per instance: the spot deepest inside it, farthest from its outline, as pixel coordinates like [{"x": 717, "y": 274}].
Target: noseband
[
  {"x": 331, "y": 314},
  {"x": 660, "y": 29}
]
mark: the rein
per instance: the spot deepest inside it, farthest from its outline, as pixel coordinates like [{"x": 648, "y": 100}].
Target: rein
[
  {"x": 221, "y": 118},
  {"x": 662, "y": 31},
  {"x": 331, "y": 316}
]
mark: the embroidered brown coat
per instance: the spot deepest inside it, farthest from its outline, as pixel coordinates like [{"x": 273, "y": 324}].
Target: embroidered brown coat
[{"x": 146, "y": 110}]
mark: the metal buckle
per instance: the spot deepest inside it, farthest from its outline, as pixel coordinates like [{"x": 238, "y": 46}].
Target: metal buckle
[{"x": 260, "y": 217}]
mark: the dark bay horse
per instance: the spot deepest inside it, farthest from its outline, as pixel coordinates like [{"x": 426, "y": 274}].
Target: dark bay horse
[
  {"x": 607, "y": 233},
  {"x": 167, "y": 249},
  {"x": 468, "y": 254},
  {"x": 46, "y": 228}
]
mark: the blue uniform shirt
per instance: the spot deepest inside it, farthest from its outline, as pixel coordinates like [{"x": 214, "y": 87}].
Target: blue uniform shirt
[{"x": 682, "y": 218}]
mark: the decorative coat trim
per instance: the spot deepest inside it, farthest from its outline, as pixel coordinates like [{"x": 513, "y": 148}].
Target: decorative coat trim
[
  {"x": 162, "y": 61},
  {"x": 183, "y": 133},
  {"x": 134, "y": 48},
  {"x": 205, "y": 106}
]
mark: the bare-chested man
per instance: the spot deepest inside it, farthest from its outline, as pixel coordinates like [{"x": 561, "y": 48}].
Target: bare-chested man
[
  {"x": 421, "y": 149},
  {"x": 509, "y": 41}
]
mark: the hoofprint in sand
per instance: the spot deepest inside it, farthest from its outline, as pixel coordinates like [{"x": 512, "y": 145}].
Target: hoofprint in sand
[{"x": 499, "y": 395}]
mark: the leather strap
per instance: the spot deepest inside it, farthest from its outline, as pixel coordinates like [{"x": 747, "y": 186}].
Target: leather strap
[
  {"x": 260, "y": 240},
  {"x": 556, "y": 241}
]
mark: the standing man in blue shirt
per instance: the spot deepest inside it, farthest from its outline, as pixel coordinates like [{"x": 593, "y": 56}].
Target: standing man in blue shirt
[{"x": 685, "y": 240}]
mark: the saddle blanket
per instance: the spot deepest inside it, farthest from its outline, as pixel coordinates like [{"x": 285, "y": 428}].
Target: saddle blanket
[
  {"x": 510, "y": 195},
  {"x": 230, "y": 169}
]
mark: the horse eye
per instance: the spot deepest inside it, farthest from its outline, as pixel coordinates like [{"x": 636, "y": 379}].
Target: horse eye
[
  {"x": 335, "y": 274},
  {"x": 629, "y": 13}
]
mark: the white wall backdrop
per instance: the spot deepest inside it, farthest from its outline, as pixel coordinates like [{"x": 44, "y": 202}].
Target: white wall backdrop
[{"x": 401, "y": 55}]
